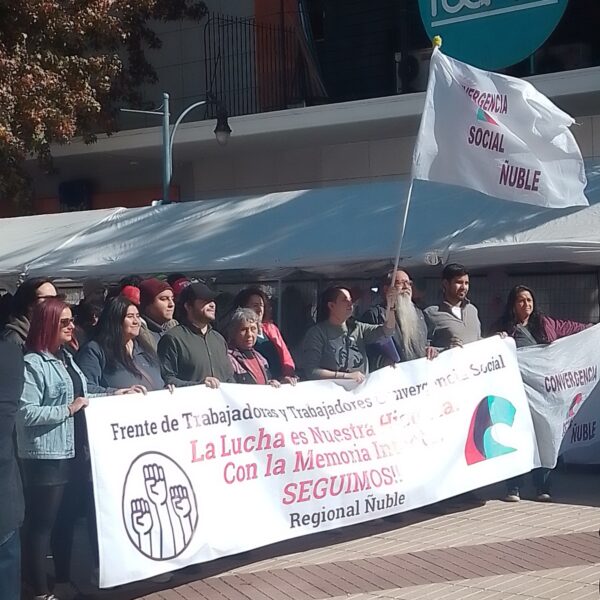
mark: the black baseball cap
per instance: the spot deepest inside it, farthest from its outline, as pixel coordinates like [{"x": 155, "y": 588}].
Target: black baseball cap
[{"x": 197, "y": 291}]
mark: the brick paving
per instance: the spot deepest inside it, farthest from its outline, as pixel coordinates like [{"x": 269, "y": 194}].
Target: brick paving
[{"x": 497, "y": 551}]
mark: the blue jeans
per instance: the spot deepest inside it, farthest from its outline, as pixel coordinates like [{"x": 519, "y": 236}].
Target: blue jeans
[{"x": 10, "y": 566}]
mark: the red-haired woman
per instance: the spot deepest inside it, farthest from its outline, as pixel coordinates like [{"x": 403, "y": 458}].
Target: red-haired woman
[{"x": 53, "y": 395}]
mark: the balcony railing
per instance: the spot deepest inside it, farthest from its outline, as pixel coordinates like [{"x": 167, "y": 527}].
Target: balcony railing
[{"x": 257, "y": 68}]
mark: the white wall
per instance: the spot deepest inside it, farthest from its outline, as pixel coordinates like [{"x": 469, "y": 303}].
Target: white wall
[{"x": 264, "y": 168}]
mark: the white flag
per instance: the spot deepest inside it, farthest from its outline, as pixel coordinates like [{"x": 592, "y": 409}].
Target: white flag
[{"x": 497, "y": 135}]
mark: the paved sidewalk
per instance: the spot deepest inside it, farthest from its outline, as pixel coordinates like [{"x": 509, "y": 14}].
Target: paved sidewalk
[{"x": 497, "y": 551}]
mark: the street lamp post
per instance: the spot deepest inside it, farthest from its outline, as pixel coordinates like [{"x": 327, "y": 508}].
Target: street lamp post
[{"x": 222, "y": 132}]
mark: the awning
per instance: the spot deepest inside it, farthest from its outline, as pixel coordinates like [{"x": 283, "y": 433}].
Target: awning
[{"x": 330, "y": 231}]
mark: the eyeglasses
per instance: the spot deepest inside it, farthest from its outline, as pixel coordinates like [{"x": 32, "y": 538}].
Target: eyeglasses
[
  {"x": 44, "y": 297},
  {"x": 66, "y": 322},
  {"x": 404, "y": 283}
]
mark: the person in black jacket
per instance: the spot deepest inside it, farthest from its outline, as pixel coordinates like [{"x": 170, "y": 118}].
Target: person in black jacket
[
  {"x": 193, "y": 352},
  {"x": 11, "y": 492},
  {"x": 30, "y": 292}
]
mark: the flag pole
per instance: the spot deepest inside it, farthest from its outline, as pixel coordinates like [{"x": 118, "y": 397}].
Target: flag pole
[
  {"x": 403, "y": 228},
  {"x": 436, "y": 43}
]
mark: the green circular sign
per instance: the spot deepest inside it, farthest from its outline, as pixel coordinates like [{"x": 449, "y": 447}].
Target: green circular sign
[{"x": 491, "y": 34}]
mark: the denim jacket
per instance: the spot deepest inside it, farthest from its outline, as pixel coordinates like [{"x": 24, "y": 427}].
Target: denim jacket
[{"x": 45, "y": 428}]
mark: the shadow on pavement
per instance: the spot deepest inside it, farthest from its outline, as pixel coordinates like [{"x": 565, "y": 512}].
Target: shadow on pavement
[{"x": 570, "y": 485}]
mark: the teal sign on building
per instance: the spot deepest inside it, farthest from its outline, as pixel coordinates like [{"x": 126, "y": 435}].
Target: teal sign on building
[{"x": 491, "y": 34}]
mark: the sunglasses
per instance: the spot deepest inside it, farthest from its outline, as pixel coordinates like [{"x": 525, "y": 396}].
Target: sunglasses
[{"x": 66, "y": 322}]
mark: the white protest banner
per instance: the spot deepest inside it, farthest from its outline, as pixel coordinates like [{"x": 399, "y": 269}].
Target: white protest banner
[
  {"x": 560, "y": 380},
  {"x": 497, "y": 135},
  {"x": 189, "y": 477},
  {"x": 581, "y": 444}
]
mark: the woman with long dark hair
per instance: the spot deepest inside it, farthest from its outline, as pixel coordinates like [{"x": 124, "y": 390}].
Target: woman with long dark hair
[
  {"x": 53, "y": 395},
  {"x": 335, "y": 348},
  {"x": 523, "y": 321},
  {"x": 269, "y": 341},
  {"x": 117, "y": 358}
]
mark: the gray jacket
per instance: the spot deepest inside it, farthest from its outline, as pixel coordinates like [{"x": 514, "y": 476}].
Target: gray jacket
[
  {"x": 152, "y": 331},
  {"x": 443, "y": 325},
  {"x": 92, "y": 362}
]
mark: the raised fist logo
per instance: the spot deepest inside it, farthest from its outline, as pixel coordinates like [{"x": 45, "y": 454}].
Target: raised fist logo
[
  {"x": 141, "y": 521},
  {"x": 182, "y": 506},
  {"x": 156, "y": 488}
]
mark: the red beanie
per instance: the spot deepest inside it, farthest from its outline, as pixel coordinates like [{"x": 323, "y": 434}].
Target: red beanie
[
  {"x": 131, "y": 293},
  {"x": 150, "y": 288},
  {"x": 179, "y": 285}
]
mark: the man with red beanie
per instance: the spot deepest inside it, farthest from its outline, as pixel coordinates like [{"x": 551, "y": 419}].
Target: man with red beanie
[{"x": 157, "y": 305}]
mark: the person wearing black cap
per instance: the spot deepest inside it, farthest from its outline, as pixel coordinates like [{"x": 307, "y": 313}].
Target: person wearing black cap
[{"x": 193, "y": 352}]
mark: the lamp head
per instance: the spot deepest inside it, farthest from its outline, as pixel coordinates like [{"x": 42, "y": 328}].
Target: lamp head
[{"x": 222, "y": 130}]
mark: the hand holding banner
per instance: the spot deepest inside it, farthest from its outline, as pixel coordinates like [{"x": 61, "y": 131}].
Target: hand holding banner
[
  {"x": 206, "y": 473},
  {"x": 561, "y": 381}
]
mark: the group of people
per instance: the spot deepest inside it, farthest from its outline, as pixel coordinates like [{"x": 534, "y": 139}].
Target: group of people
[{"x": 152, "y": 334}]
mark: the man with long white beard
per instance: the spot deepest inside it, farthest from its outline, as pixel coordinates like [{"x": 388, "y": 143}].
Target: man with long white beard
[{"x": 410, "y": 337}]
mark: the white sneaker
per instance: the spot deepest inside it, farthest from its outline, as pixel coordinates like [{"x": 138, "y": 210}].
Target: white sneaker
[
  {"x": 66, "y": 591},
  {"x": 46, "y": 597},
  {"x": 514, "y": 497}
]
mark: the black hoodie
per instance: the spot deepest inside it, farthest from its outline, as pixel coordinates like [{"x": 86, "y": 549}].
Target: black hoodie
[
  {"x": 11, "y": 385},
  {"x": 16, "y": 331}
]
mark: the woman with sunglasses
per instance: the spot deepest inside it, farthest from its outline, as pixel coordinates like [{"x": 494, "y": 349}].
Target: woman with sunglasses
[
  {"x": 118, "y": 357},
  {"x": 54, "y": 393}
]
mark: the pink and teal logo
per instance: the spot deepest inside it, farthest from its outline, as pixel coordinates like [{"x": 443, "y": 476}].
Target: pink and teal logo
[
  {"x": 572, "y": 411},
  {"x": 480, "y": 445},
  {"x": 485, "y": 117}
]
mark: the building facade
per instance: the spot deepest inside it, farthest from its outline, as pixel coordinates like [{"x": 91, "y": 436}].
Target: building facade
[
  {"x": 323, "y": 93},
  {"x": 319, "y": 92}
]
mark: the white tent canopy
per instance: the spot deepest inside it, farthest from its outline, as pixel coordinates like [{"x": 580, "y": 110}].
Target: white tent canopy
[
  {"x": 25, "y": 240},
  {"x": 323, "y": 230}
]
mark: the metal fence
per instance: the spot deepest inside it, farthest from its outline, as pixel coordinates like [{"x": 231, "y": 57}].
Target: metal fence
[{"x": 256, "y": 68}]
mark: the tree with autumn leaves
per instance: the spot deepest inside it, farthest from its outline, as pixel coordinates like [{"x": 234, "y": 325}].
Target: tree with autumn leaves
[{"x": 65, "y": 68}]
